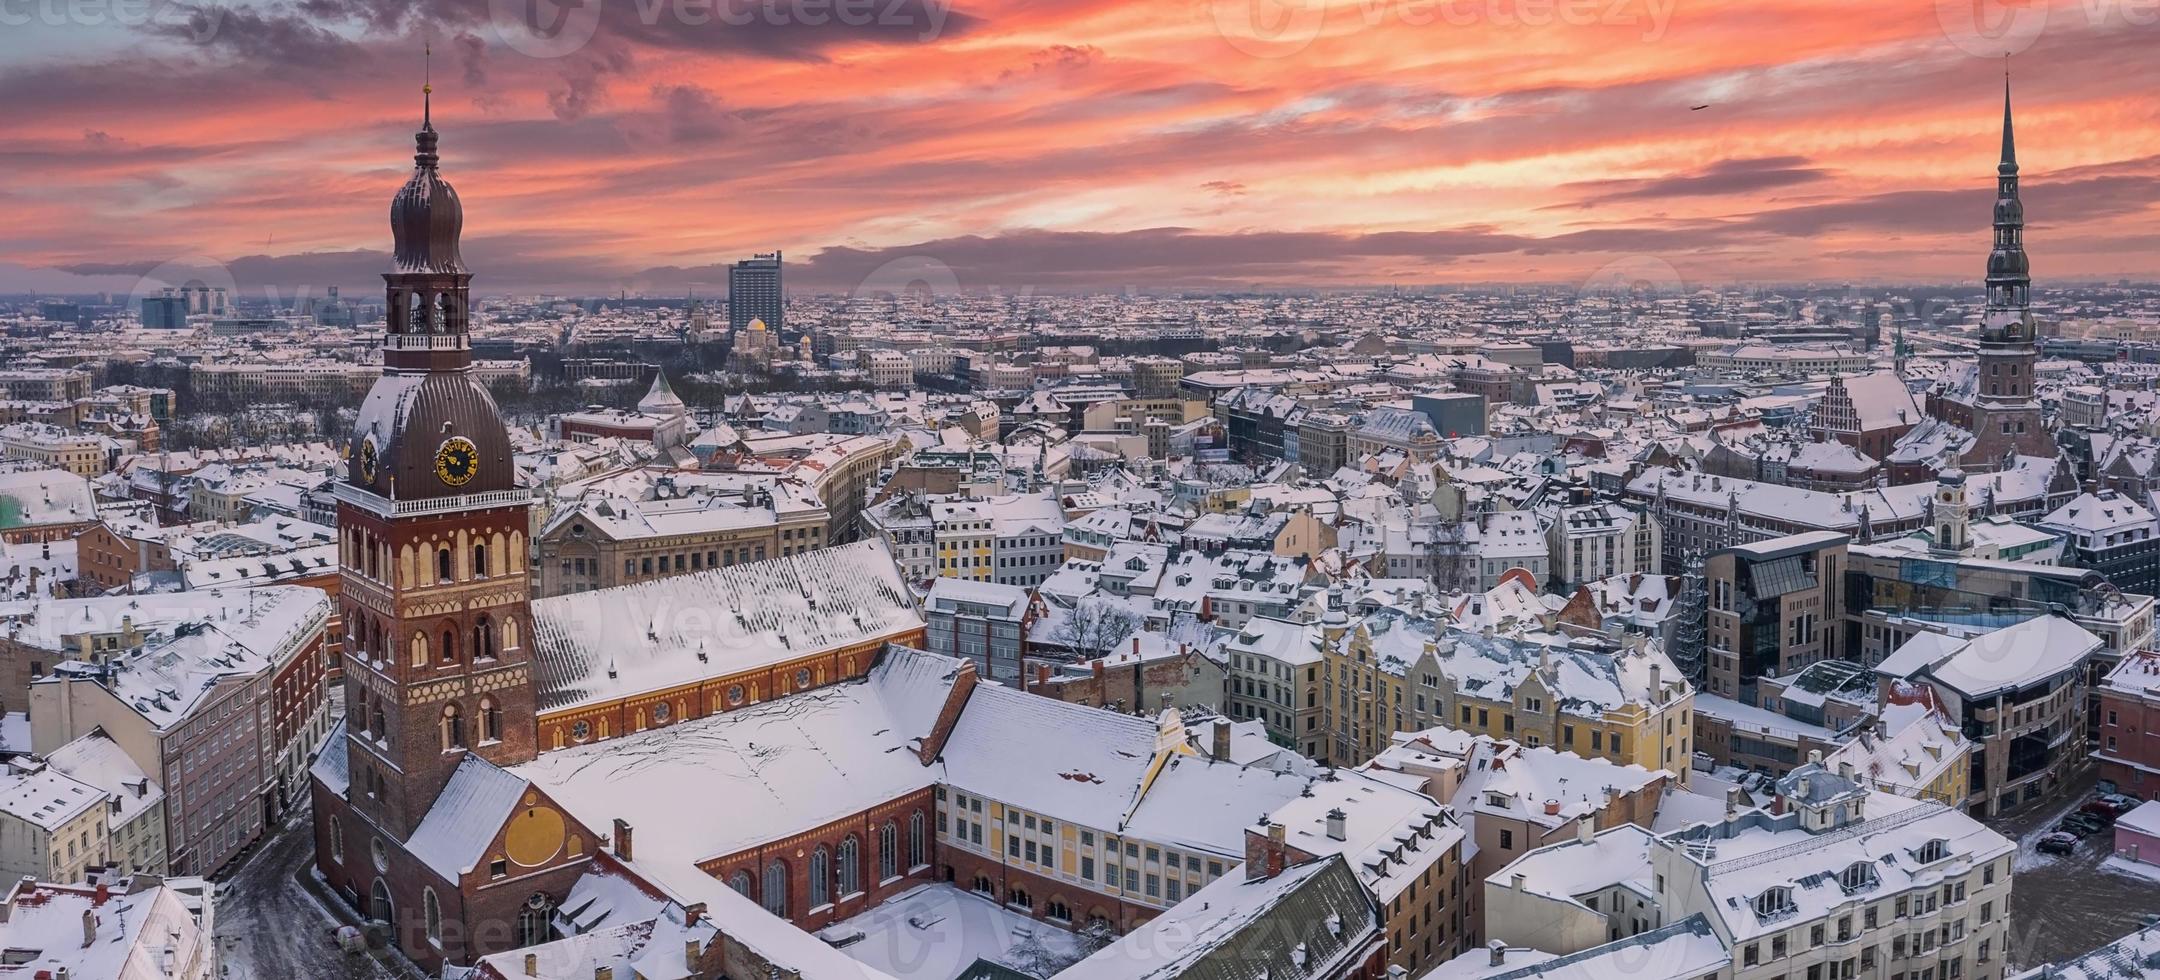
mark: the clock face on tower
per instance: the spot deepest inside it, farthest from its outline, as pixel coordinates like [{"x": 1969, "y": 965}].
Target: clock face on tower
[{"x": 457, "y": 461}]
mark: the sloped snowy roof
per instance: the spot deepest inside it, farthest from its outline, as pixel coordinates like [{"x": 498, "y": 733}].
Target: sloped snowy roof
[
  {"x": 612, "y": 643},
  {"x": 1092, "y": 779},
  {"x": 465, "y": 817},
  {"x": 1310, "y": 920}
]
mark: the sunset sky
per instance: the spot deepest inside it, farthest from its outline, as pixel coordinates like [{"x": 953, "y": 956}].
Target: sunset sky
[{"x": 1082, "y": 144}]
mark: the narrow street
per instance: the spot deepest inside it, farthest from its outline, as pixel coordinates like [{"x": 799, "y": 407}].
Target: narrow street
[{"x": 270, "y": 927}]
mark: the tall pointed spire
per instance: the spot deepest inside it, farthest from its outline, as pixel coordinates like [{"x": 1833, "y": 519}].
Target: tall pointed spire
[
  {"x": 2009, "y": 147},
  {"x": 427, "y": 88}
]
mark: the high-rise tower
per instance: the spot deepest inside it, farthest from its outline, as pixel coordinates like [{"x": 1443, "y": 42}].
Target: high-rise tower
[
  {"x": 2006, "y": 416},
  {"x": 432, "y": 525}
]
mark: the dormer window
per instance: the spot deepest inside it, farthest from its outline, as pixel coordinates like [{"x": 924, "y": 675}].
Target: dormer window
[
  {"x": 1774, "y": 902},
  {"x": 1857, "y": 875},
  {"x": 1932, "y": 851}
]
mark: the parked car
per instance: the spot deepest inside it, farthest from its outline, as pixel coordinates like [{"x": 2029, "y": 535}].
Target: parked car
[
  {"x": 2081, "y": 825},
  {"x": 2058, "y": 843},
  {"x": 2122, "y": 804},
  {"x": 2100, "y": 811}
]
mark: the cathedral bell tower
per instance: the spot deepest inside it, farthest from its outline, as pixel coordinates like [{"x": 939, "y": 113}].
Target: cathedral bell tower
[{"x": 432, "y": 533}]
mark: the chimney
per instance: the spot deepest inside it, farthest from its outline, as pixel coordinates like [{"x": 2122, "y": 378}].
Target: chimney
[
  {"x": 1732, "y": 801},
  {"x": 1844, "y": 769},
  {"x": 622, "y": 839},
  {"x": 1136, "y": 645},
  {"x": 1097, "y": 667},
  {"x": 532, "y": 964},
  {"x": 1552, "y": 808},
  {"x": 89, "y": 928},
  {"x": 1657, "y": 685},
  {"x": 1499, "y": 952},
  {"x": 690, "y": 952},
  {"x": 1585, "y": 829},
  {"x": 1814, "y": 757},
  {"x": 1221, "y": 735},
  {"x": 603, "y": 973},
  {"x": 1277, "y": 839},
  {"x": 1042, "y": 675},
  {"x": 1338, "y": 825}
]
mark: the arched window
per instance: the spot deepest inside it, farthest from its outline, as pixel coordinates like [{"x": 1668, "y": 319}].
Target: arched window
[
  {"x": 820, "y": 877},
  {"x": 483, "y": 640},
  {"x": 888, "y": 851},
  {"x": 1058, "y": 910},
  {"x": 741, "y": 883},
  {"x": 775, "y": 896},
  {"x": 509, "y": 633},
  {"x": 479, "y": 561},
  {"x": 442, "y": 565},
  {"x": 379, "y": 906},
  {"x": 490, "y": 720},
  {"x": 533, "y": 928},
  {"x": 381, "y": 728},
  {"x": 915, "y": 856},
  {"x": 449, "y": 647},
  {"x": 360, "y": 706},
  {"x": 431, "y": 916},
  {"x": 419, "y": 649},
  {"x": 453, "y": 728},
  {"x": 850, "y": 866},
  {"x": 337, "y": 839}
]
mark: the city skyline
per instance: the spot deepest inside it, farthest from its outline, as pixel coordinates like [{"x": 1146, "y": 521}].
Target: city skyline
[{"x": 1168, "y": 149}]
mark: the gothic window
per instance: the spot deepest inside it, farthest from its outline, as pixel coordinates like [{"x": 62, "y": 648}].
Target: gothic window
[
  {"x": 483, "y": 645},
  {"x": 490, "y": 720},
  {"x": 915, "y": 856},
  {"x": 479, "y": 561},
  {"x": 431, "y": 915},
  {"x": 509, "y": 634},
  {"x": 820, "y": 877},
  {"x": 850, "y": 867},
  {"x": 449, "y": 647},
  {"x": 741, "y": 883},
  {"x": 888, "y": 851},
  {"x": 337, "y": 840},
  {"x": 533, "y": 919},
  {"x": 419, "y": 650},
  {"x": 381, "y": 728},
  {"x": 360, "y": 708},
  {"x": 775, "y": 896},
  {"x": 453, "y": 728},
  {"x": 442, "y": 565}
]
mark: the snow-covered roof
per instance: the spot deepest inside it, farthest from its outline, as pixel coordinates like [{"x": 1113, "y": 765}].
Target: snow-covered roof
[
  {"x": 800, "y": 761},
  {"x": 1311, "y": 920},
  {"x": 610, "y": 643},
  {"x": 2005, "y": 659}
]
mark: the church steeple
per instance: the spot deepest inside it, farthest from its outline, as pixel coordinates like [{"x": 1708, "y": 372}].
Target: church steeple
[{"x": 2009, "y": 147}]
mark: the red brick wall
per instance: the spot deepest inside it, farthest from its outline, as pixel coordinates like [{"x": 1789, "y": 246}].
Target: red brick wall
[
  {"x": 2134, "y": 725},
  {"x": 795, "y": 852}
]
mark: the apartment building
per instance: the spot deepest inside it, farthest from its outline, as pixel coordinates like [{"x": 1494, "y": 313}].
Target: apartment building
[
  {"x": 603, "y": 542},
  {"x": 1273, "y": 677},
  {"x": 1774, "y": 608},
  {"x": 1393, "y": 672},
  {"x": 1589, "y": 542},
  {"x": 1830, "y": 880},
  {"x": 2019, "y": 691}
]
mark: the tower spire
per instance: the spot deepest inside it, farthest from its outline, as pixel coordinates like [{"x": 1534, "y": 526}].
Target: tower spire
[
  {"x": 2009, "y": 147},
  {"x": 427, "y": 87}
]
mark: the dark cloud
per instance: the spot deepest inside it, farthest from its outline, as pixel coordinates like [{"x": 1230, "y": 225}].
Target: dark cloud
[
  {"x": 1743, "y": 176},
  {"x": 270, "y": 40}
]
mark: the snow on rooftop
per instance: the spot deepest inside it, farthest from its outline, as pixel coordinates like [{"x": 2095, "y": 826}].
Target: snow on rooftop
[{"x": 611, "y": 643}]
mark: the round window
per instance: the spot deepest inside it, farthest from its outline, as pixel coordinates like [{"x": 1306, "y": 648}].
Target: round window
[
  {"x": 661, "y": 711},
  {"x": 379, "y": 854},
  {"x": 735, "y": 695},
  {"x": 802, "y": 677},
  {"x": 581, "y": 730}
]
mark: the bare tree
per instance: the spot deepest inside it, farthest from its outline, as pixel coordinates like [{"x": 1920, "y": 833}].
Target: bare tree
[
  {"x": 1030, "y": 955},
  {"x": 1094, "y": 628}
]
